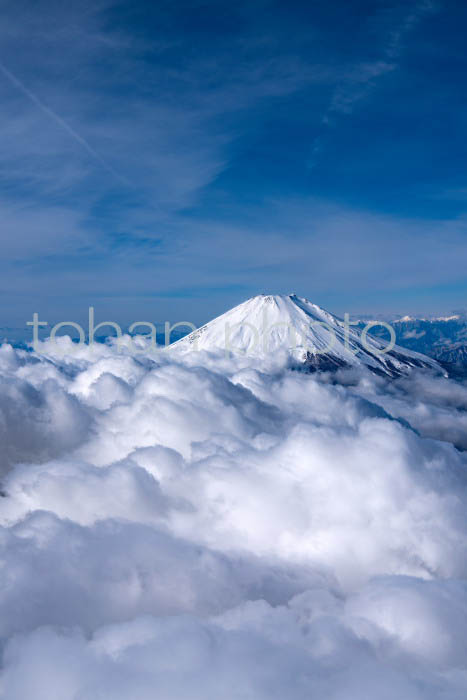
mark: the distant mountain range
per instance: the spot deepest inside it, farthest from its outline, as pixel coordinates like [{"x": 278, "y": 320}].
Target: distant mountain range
[{"x": 444, "y": 339}]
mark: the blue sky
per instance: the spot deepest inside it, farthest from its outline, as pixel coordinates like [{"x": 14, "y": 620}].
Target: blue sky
[{"x": 166, "y": 160}]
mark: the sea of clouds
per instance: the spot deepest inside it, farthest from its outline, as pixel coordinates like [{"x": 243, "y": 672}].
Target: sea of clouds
[{"x": 197, "y": 527}]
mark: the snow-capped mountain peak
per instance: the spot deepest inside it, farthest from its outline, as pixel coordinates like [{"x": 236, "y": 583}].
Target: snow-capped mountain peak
[{"x": 308, "y": 335}]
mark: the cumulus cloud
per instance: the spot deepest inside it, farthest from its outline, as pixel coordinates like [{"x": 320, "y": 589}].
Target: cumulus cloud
[
  {"x": 190, "y": 527},
  {"x": 436, "y": 407}
]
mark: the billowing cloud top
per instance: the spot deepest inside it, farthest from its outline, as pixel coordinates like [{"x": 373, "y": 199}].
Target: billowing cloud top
[{"x": 195, "y": 526}]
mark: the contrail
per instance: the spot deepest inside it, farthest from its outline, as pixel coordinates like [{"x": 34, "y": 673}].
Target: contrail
[{"x": 61, "y": 122}]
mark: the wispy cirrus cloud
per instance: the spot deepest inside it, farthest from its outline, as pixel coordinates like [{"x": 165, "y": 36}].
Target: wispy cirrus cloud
[
  {"x": 357, "y": 81},
  {"x": 58, "y": 120},
  {"x": 141, "y": 140}
]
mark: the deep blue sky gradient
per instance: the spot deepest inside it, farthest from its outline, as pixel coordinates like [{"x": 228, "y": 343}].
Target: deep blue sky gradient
[{"x": 166, "y": 160}]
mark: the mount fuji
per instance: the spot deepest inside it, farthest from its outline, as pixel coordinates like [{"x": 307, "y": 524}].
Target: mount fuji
[{"x": 308, "y": 336}]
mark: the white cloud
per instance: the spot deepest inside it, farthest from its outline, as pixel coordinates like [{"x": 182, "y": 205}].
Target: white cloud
[{"x": 166, "y": 518}]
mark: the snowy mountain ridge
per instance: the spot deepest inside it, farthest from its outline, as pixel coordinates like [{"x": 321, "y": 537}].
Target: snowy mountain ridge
[{"x": 309, "y": 335}]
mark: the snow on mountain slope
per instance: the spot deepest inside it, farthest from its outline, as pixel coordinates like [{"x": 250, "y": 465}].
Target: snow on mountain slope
[{"x": 308, "y": 335}]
